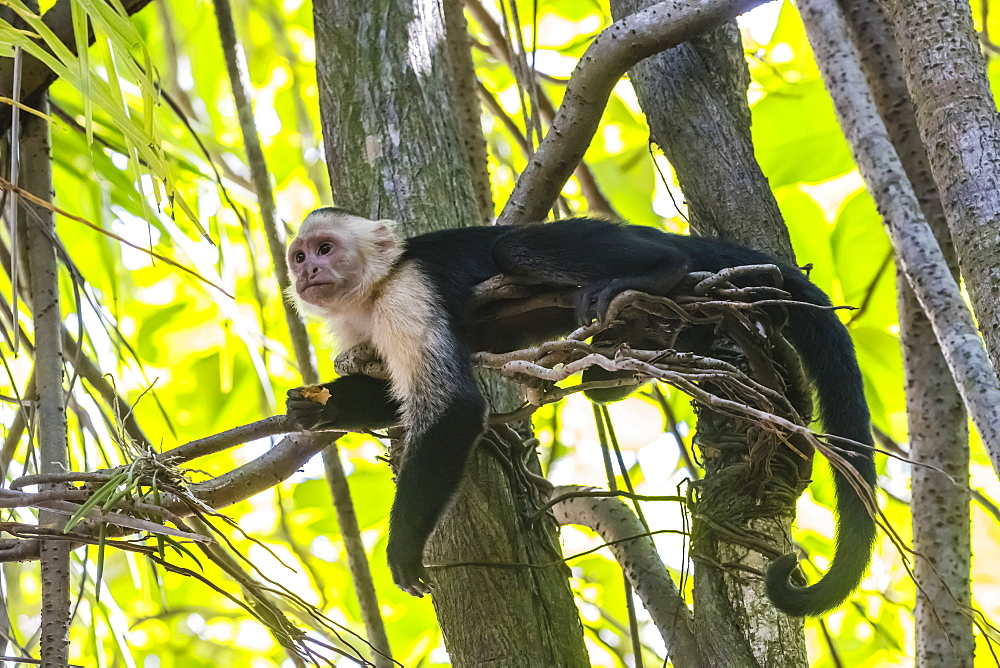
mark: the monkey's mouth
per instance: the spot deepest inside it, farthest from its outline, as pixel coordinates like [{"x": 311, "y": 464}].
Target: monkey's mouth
[{"x": 312, "y": 291}]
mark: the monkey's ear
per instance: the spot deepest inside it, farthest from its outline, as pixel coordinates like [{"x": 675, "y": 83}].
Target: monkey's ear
[{"x": 385, "y": 234}]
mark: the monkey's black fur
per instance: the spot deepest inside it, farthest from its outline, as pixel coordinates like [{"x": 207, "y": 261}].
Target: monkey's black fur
[{"x": 600, "y": 259}]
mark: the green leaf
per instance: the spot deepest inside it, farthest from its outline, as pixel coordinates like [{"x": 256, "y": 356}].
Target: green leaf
[
  {"x": 811, "y": 148},
  {"x": 862, "y": 254}
]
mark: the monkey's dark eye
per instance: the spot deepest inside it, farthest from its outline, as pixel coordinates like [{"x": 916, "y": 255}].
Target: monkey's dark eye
[
  {"x": 325, "y": 248},
  {"x": 300, "y": 257}
]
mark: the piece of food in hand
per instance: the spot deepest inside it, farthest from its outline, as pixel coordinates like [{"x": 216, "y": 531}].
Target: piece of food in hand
[{"x": 316, "y": 393}]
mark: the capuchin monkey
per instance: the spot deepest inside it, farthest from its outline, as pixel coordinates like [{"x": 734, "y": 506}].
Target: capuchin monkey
[{"x": 409, "y": 298}]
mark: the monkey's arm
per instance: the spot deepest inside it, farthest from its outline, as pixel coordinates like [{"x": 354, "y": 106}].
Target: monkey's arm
[
  {"x": 356, "y": 402},
  {"x": 432, "y": 468}
]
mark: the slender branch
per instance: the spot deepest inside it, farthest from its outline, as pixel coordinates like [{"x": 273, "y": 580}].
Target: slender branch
[
  {"x": 358, "y": 560},
  {"x": 271, "y": 426},
  {"x": 10, "y": 187},
  {"x": 987, "y": 504},
  {"x": 493, "y": 104},
  {"x": 284, "y": 43},
  {"x": 261, "y": 180},
  {"x": 614, "y": 520},
  {"x": 612, "y": 53},
  {"x": 499, "y": 47},
  {"x": 264, "y": 472},
  {"x": 53, "y": 449}
]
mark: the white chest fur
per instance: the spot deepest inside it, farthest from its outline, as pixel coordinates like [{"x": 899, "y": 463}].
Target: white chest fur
[
  {"x": 352, "y": 326},
  {"x": 405, "y": 324},
  {"x": 405, "y": 327}
]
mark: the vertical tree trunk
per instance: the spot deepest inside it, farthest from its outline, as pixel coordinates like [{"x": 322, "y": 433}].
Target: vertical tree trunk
[
  {"x": 958, "y": 122},
  {"x": 939, "y": 435},
  {"x": 939, "y": 443},
  {"x": 694, "y": 97},
  {"x": 395, "y": 148},
  {"x": 305, "y": 358},
  {"x": 39, "y": 227}
]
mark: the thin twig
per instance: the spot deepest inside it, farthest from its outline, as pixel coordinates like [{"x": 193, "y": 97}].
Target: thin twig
[{"x": 304, "y": 354}]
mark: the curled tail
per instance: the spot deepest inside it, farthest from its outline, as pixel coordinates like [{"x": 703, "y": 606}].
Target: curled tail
[{"x": 829, "y": 360}]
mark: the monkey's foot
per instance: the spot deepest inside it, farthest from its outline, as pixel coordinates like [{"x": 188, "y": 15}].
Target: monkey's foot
[{"x": 588, "y": 303}]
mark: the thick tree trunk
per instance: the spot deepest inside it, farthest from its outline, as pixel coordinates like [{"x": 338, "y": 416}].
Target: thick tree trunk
[
  {"x": 694, "y": 97},
  {"x": 939, "y": 435},
  {"x": 395, "y": 148},
  {"x": 959, "y": 125},
  {"x": 392, "y": 139}
]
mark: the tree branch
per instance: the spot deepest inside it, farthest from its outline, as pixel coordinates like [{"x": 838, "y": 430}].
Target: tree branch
[
  {"x": 304, "y": 354},
  {"x": 612, "y": 53},
  {"x": 53, "y": 449},
  {"x": 264, "y": 472},
  {"x": 615, "y": 522},
  {"x": 271, "y": 426},
  {"x": 938, "y": 423}
]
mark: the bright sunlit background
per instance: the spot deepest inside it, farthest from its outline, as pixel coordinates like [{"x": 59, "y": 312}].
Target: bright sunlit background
[{"x": 196, "y": 362}]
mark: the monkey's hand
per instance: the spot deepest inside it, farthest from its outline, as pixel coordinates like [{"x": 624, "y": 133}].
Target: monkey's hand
[
  {"x": 352, "y": 403},
  {"x": 407, "y": 568},
  {"x": 308, "y": 409}
]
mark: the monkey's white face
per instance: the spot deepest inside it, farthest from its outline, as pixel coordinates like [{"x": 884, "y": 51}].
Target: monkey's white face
[
  {"x": 326, "y": 267},
  {"x": 338, "y": 258}
]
